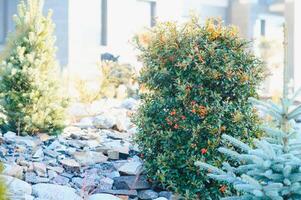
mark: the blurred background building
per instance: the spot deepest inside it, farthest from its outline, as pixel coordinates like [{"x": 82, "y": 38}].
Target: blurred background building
[{"x": 87, "y": 29}]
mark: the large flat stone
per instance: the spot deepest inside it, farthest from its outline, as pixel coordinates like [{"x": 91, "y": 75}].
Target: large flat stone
[
  {"x": 103, "y": 197},
  {"x": 18, "y": 189},
  {"x": 54, "y": 192},
  {"x": 89, "y": 157}
]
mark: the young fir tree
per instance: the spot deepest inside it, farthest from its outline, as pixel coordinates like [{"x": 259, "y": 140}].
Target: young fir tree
[
  {"x": 272, "y": 169},
  {"x": 29, "y": 89}
]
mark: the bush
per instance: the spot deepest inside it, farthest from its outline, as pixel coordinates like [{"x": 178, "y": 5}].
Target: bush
[
  {"x": 29, "y": 90},
  {"x": 271, "y": 170},
  {"x": 197, "y": 81}
]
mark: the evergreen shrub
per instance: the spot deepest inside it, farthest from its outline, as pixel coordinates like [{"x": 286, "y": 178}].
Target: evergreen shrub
[
  {"x": 196, "y": 81},
  {"x": 29, "y": 89}
]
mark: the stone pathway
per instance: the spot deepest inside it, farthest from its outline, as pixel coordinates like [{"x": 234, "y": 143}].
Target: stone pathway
[{"x": 93, "y": 160}]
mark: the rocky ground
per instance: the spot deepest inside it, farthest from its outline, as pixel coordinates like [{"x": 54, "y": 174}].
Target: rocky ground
[{"x": 95, "y": 159}]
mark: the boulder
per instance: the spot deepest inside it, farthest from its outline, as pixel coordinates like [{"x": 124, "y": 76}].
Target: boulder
[
  {"x": 54, "y": 192},
  {"x": 13, "y": 170},
  {"x": 18, "y": 189},
  {"x": 103, "y": 197}
]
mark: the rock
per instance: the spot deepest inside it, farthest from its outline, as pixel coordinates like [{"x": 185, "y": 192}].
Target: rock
[
  {"x": 9, "y": 135},
  {"x": 39, "y": 154},
  {"x": 130, "y": 193},
  {"x": 44, "y": 137},
  {"x": 118, "y": 145},
  {"x": 113, "y": 155},
  {"x": 123, "y": 123},
  {"x": 84, "y": 183},
  {"x": 105, "y": 183},
  {"x": 51, "y": 174},
  {"x": 103, "y": 197},
  {"x": 166, "y": 194},
  {"x": 131, "y": 183},
  {"x": 161, "y": 198},
  {"x": 17, "y": 188},
  {"x": 67, "y": 175},
  {"x": 89, "y": 157},
  {"x": 54, "y": 192},
  {"x": 28, "y": 141},
  {"x": 56, "y": 169},
  {"x": 86, "y": 122},
  {"x": 13, "y": 170},
  {"x": 31, "y": 177},
  {"x": 147, "y": 194},
  {"x": 51, "y": 153},
  {"x": 104, "y": 121},
  {"x": 129, "y": 103},
  {"x": 70, "y": 165},
  {"x": 61, "y": 180},
  {"x": 131, "y": 168},
  {"x": 77, "y": 144},
  {"x": 40, "y": 169}
]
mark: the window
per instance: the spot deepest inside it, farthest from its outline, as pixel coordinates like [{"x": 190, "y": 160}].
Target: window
[
  {"x": 104, "y": 22},
  {"x": 262, "y": 27},
  {"x": 153, "y": 13},
  {"x": 3, "y": 20}
]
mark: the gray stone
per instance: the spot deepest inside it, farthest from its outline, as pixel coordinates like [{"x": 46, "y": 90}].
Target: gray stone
[
  {"x": 166, "y": 194},
  {"x": 104, "y": 121},
  {"x": 105, "y": 183},
  {"x": 13, "y": 170},
  {"x": 89, "y": 157},
  {"x": 40, "y": 168},
  {"x": 56, "y": 169},
  {"x": 51, "y": 153},
  {"x": 131, "y": 168},
  {"x": 113, "y": 155},
  {"x": 61, "y": 180},
  {"x": 67, "y": 175},
  {"x": 39, "y": 154},
  {"x": 147, "y": 194},
  {"x": 131, "y": 183},
  {"x": 17, "y": 188},
  {"x": 129, "y": 103},
  {"x": 130, "y": 193},
  {"x": 103, "y": 197},
  {"x": 161, "y": 198},
  {"x": 118, "y": 145},
  {"x": 51, "y": 174},
  {"x": 54, "y": 192},
  {"x": 85, "y": 122},
  {"x": 31, "y": 177},
  {"x": 87, "y": 183},
  {"x": 70, "y": 165}
]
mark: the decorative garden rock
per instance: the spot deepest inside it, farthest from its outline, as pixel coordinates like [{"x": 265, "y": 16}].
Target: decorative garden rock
[
  {"x": 147, "y": 194},
  {"x": 17, "y": 187},
  {"x": 103, "y": 197},
  {"x": 81, "y": 161},
  {"x": 54, "y": 192}
]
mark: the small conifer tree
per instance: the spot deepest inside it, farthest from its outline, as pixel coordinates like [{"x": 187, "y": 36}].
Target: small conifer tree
[{"x": 29, "y": 88}]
